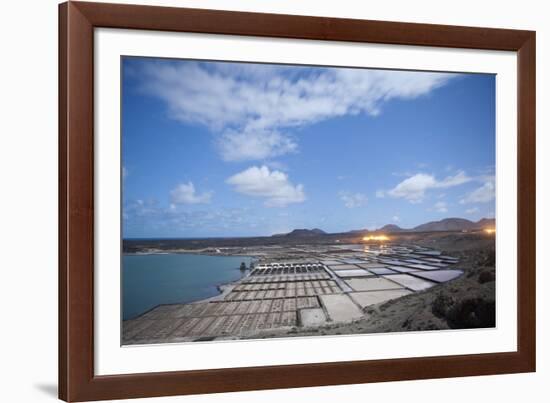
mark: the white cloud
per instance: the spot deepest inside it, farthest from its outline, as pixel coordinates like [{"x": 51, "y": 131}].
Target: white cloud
[
  {"x": 414, "y": 188},
  {"x": 380, "y": 194},
  {"x": 482, "y": 194},
  {"x": 455, "y": 180},
  {"x": 353, "y": 200},
  {"x": 251, "y": 108},
  {"x": 185, "y": 193},
  {"x": 472, "y": 210},
  {"x": 254, "y": 145},
  {"x": 441, "y": 207},
  {"x": 395, "y": 218},
  {"x": 273, "y": 186},
  {"x": 124, "y": 172}
]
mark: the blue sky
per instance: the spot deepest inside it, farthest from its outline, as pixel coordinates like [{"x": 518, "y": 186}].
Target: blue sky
[{"x": 233, "y": 149}]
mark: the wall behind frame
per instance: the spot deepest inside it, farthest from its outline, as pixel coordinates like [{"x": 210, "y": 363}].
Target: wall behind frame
[{"x": 28, "y": 206}]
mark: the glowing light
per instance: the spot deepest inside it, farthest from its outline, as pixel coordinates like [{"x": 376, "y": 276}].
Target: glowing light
[
  {"x": 376, "y": 238},
  {"x": 490, "y": 230}
]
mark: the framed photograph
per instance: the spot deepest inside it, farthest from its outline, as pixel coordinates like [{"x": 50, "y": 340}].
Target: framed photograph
[{"x": 256, "y": 201}]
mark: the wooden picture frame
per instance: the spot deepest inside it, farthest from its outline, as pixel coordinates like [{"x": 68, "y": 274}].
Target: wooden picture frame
[{"x": 77, "y": 381}]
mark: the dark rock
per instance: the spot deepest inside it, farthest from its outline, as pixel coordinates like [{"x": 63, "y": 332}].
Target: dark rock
[
  {"x": 486, "y": 277},
  {"x": 471, "y": 313},
  {"x": 489, "y": 260},
  {"x": 441, "y": 305}
]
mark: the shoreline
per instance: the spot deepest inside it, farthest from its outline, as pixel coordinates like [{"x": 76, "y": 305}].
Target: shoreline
[{"x": 223, "y": 288}]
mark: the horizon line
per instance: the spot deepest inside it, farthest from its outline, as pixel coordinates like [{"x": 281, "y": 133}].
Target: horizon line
[{"x": 307, "y": 229}]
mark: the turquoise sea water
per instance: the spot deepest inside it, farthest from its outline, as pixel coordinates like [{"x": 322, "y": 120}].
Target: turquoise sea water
[{"x": 150, "y": 280}]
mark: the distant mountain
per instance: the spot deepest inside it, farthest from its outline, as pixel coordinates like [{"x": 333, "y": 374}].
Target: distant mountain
[
  {"x": 357, "y": 231},
  {"x": 447, "y": 224},
  {"x": 302, "y": 232},
  {"x": 391, "y": 228},
  {"x": 485, "y": 223}
]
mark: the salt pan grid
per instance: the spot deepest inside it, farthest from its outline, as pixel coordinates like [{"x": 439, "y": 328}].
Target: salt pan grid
[
  {"x": 353, "y": 261},
  {"x": 402, "y": 269},
  {"x": 353, "y": 273},
  {"x": 340, "y": 308},
  {"x": 371, "y": 265},
  {"x": 343, "y": 267},
  {"x": 439, "y": 276},
  {"x": 282, "y": 295},
  {"x": 381, "y": 271},
  {"x": 372, "y": 284},
  {"x": 368, "y": 298},
  {"x": 312, "y": 317},
  {"x": 411, "y": 282}
]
